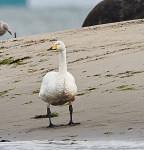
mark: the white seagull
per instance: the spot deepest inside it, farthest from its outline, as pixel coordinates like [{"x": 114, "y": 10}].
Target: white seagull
[
  {"x": 4, "y": 28},
  {"x": 59, "y": 87}
]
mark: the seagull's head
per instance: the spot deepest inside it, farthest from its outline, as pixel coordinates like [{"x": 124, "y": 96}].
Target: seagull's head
[
  {"x": 58, "y": 45},
  {"x": 5, "y": 27}
]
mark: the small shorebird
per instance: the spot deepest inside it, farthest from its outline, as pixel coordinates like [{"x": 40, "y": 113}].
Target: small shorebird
[
  {"x": 4, "y": 28},
  {"x": 59, "y": 88}
]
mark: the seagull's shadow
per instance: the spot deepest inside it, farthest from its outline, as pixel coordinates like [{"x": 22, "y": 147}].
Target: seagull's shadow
[
  {"x": 62, "y": 125},
  {"x": 43, "y": 128}
]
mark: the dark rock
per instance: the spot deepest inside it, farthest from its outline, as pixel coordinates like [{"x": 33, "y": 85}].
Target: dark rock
[
  {"x": 4, "y": 141},
  {"x": 109, "y": 11},
  {"x": 130, "y": 128}
]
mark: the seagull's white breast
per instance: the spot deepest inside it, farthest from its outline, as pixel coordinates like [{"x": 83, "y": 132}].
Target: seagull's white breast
[{"x": 58, "y": 89}]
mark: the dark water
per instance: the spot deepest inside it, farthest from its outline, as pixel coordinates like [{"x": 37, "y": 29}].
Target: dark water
[
  {"x": 13, "y": 2},
  {"x": 75, "y": 145},
  {"x": 43, "y": 16}
]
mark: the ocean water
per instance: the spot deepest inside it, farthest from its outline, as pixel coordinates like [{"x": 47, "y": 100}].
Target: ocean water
[
  {"x": 33, "y": 17},
  {"x": 75, "y": 145}
]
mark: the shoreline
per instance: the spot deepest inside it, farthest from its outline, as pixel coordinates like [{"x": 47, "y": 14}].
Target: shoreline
[{"x": 107, "y": 63}]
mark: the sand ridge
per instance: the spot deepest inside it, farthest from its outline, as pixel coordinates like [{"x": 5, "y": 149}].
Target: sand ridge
[{"x": 107, "y": 63}]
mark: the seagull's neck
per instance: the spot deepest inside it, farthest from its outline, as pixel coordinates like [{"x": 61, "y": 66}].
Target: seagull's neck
[{"x": 62, "y": 63}]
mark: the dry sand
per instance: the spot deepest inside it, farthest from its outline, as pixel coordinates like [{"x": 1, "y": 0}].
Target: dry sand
[{"x": 107, "y": 62}]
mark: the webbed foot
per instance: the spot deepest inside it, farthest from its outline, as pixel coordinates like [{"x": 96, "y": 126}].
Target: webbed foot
[
  {"x": 51, "y": 126},
  {"x": 73, "y": 124}
]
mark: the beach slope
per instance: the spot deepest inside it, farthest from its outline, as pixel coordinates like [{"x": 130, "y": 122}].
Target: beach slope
[{"x": 107, "y": 62}]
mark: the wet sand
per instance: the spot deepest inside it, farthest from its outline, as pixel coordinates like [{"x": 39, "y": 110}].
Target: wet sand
[{"x": 107, "y": 63}]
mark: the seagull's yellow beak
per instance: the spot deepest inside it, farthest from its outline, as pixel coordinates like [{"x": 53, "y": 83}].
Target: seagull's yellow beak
[{"x": 54, "y": 47}]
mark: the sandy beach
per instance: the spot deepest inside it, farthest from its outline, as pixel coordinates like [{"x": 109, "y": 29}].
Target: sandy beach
[{"x": 107, "y": 63}]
